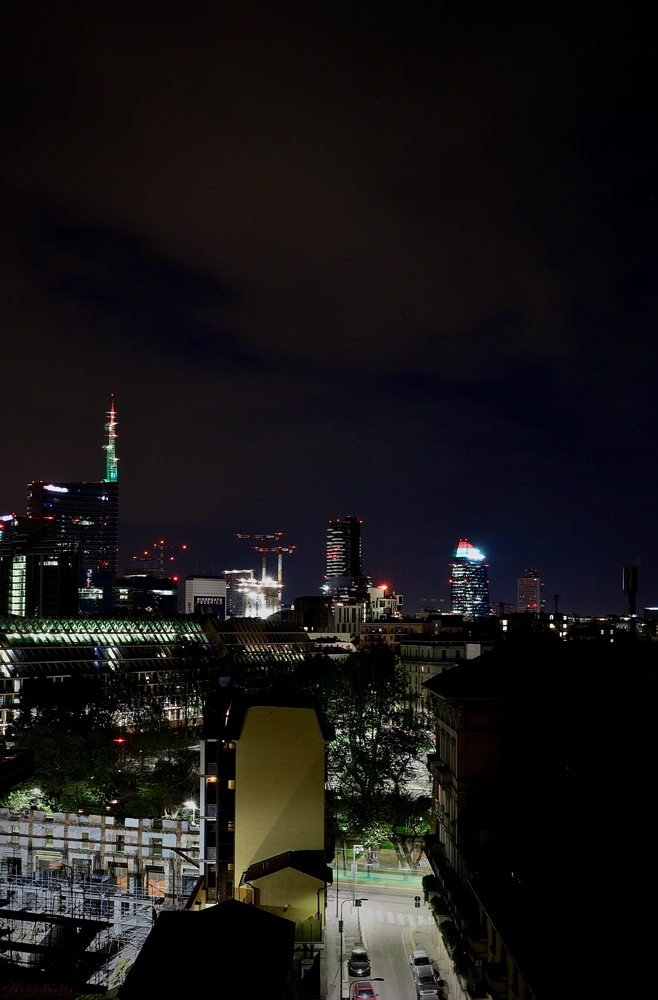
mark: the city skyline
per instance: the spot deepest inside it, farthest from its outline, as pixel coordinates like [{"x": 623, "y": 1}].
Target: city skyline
[{"x": 214, "y": 564}]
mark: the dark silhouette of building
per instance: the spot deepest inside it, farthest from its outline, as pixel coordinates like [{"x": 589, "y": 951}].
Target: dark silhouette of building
[
  {"x": 518, "y": 791},
  {"x": 209, "y": 947},
  {"x": 149, "y": 593},
  {"x": 315, "y": 614}
]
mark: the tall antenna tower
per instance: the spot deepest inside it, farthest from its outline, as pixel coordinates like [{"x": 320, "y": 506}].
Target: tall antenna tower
[{"x": 111, "y": 448}]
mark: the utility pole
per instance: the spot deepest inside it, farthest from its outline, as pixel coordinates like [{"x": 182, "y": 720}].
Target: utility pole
[{"x": 630, "y": 588}]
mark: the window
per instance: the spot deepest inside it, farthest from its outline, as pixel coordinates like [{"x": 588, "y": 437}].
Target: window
[
  {"x": 157, "y": 847},
  {"x": 16, "y": 832},
  {"x": 85, "y": 841},
  {"x": 121, "y": 844}
]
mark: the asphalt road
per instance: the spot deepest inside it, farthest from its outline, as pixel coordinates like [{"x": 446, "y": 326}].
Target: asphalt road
[{"x": 392, "y": 927}]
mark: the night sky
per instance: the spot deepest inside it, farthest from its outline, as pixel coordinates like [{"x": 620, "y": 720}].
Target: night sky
[{"x": 391, "y": 260}]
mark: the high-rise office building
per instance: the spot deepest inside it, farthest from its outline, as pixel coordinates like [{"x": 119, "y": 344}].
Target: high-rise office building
[
  {"x": 38, "y": 577},
  {"x": 531, "y": 592},
  {"x": 344, "y": 548},
  {"x": 469, "y": 581},
  {"x": 86, "y": 514},
  {"x": 344, "y": 561}
]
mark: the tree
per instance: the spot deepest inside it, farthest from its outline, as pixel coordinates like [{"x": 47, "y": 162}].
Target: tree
[{"x": 378, "y": 739}]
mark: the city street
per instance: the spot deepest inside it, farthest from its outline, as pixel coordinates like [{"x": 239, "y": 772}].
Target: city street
[{"x": 390, "y": 928}]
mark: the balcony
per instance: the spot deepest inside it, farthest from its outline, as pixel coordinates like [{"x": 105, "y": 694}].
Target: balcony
[
  {"x": 461, "y": 905},
  {"x": 497, "y": 980},
  {"x": 439, "y": 770}
]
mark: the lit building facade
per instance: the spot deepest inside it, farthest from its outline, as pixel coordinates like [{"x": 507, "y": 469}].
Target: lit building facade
[
  {"x": 469, "y": 581},
  {"x": 384, "y": 603},
  {"x": 236, "y": 580},
  {"x": 38, "y": 577},
  {"x": 205, "y": 595},
  {"x": 156, "y": 652},
  {"x": 531, "y": 592}
]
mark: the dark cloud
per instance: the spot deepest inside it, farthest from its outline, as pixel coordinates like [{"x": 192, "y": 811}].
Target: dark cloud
[{"x": 377, "y": 256}]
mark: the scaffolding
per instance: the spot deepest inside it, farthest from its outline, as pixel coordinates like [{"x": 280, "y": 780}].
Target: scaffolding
[{"x": 99, "y": 920}]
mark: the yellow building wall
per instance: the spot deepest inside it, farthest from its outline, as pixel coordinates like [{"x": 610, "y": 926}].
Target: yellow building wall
[
  {"x": 290, "y": 888},
  {"x": 279, "y": 785}
]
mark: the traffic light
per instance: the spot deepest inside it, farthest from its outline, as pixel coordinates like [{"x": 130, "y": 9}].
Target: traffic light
[{"x": 416, "y": 901}]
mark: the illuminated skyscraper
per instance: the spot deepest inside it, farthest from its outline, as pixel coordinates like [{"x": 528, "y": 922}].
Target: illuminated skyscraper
[
  {"x": 531, "y": 592},
  {"x": 469, "y": 581},
  {"x": 344, "y": 562},
  {"x": 344, "y": 548},
  {"x": 86, "y": 514}
]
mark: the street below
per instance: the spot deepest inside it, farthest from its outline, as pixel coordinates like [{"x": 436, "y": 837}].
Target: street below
[{"x": 390, "y": 927}]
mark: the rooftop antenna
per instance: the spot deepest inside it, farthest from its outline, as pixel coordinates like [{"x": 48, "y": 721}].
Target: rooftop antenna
[{"x": 111, "y": 448}]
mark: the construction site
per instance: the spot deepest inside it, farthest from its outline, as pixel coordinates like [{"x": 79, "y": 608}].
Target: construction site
[{"x": 82, "y": 892}]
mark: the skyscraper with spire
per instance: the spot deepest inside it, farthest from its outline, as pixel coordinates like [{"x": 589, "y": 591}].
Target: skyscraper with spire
[{"x": 87, "y": 515}]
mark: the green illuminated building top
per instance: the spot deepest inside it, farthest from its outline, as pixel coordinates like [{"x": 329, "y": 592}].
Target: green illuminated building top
[{"x": 111, "y": 448}]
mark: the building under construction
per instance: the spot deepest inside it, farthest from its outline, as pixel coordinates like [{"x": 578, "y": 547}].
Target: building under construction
[
  {"x": 79, "y": 894},
  {"x": 262, "y": 598}
]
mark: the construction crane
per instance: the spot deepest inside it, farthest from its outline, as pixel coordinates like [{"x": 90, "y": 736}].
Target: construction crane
[
  {"x": 154, "y": 562},
  {"x": 279, "y": 549},
  {"x": 262, "y": 547}
]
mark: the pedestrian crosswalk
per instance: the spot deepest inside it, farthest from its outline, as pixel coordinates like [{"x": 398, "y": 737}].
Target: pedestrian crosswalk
[{"x": 387, "y": 916}]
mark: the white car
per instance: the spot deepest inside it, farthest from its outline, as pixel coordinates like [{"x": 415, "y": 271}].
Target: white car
[{"x": 419, "y": 960}]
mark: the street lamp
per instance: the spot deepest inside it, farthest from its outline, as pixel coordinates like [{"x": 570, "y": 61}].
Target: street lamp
[
  {"x": 357, "y": 902},
  {"x": 355, "y": 848},
  {"x": 193, "y": 806}
]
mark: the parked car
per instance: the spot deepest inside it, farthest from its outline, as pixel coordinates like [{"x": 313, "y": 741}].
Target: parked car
[
  {"x": 359, "y": 963},
  {"x": 362, "y": 991},
  {"x": 418, "y": 959},
  {"x": 427, "y": 986}
]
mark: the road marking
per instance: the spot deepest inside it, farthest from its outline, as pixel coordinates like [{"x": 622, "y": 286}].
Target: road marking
[
  {"x": 411, "y": 920},
  {"x": 401, "y": 918},
  {"x": 380, "y": 916},
  {"x": 368, "y": 912},
  {"x": 391, "y": 918}
]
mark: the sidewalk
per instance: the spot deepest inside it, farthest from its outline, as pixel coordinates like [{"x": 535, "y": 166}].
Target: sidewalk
[{"x": 351, "y": 938}]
